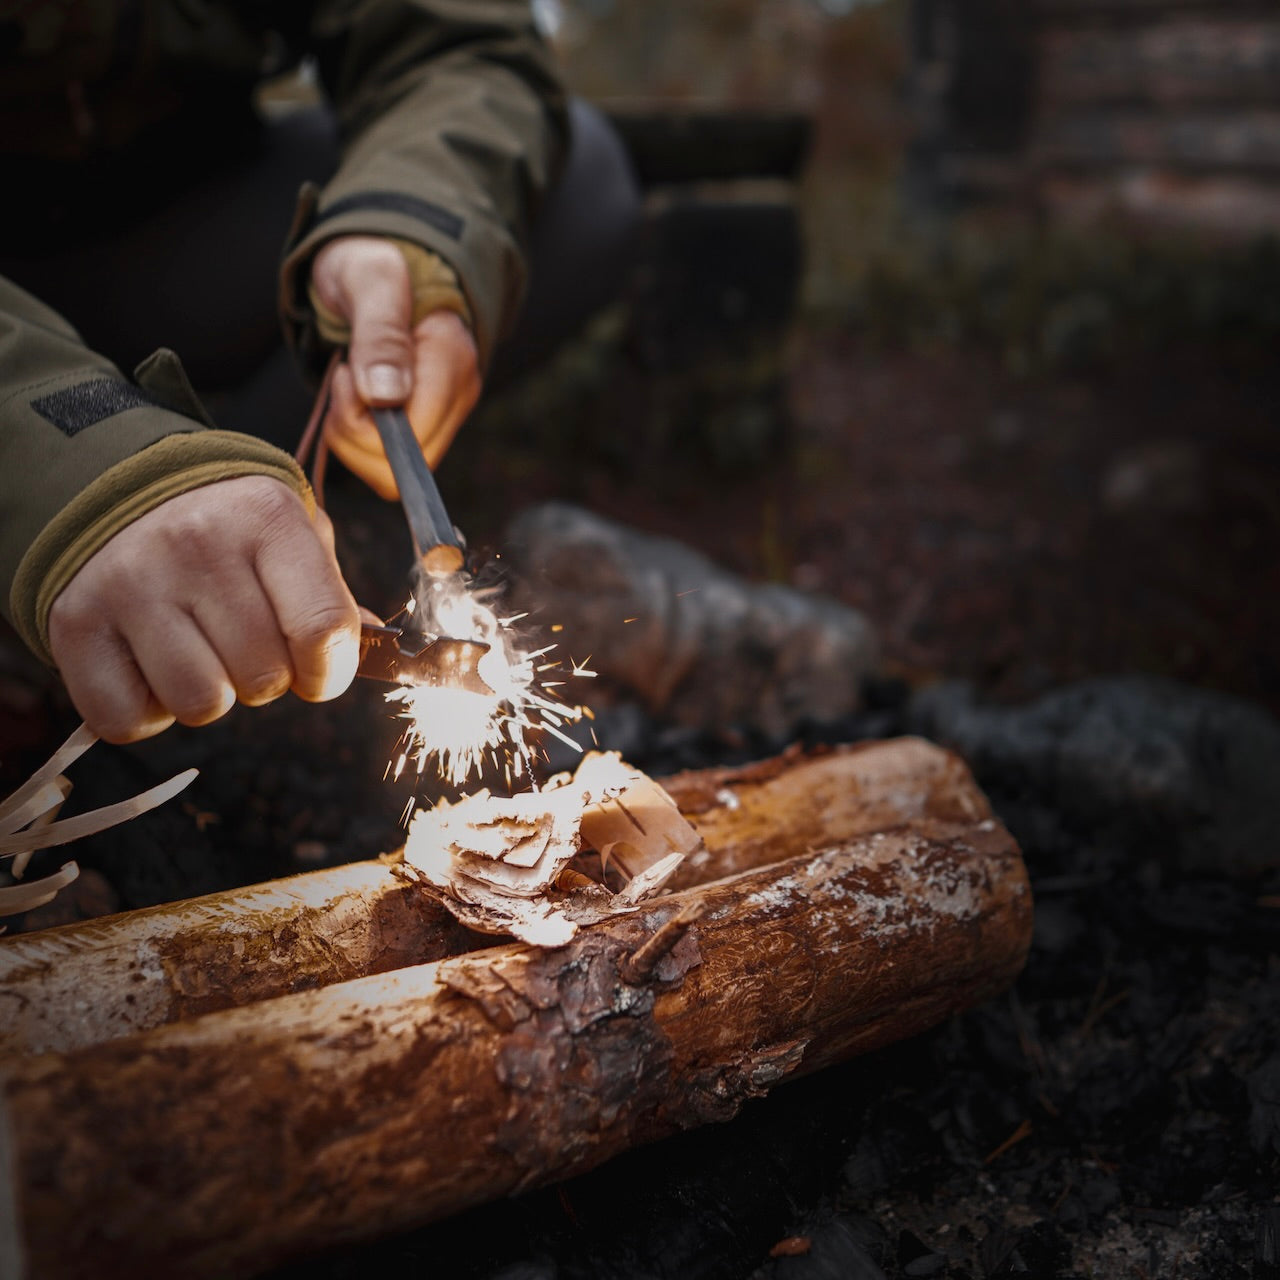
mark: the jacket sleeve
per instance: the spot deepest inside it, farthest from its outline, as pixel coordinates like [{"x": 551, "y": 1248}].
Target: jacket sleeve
[
  {"x": 84, "y": 451},
  {"x": 453, "y": 126}
]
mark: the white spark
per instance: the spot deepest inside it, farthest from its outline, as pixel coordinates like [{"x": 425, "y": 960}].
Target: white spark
[{"x": 457, "y": 729}]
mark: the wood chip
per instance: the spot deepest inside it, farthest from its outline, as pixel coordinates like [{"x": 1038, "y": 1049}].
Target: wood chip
[
  {"x": 635, "y": 825},
  {"x": 499, "y": 863}
]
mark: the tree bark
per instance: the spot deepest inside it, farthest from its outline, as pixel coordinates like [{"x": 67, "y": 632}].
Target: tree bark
[
  {"x": 81, "y": 984},
  {"x": 229, "y": 1142}
]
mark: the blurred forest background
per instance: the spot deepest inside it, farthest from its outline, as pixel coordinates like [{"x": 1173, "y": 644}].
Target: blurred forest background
[
  {"x": 966, "y": 314},
  {"x": 1020, "y": 406}
]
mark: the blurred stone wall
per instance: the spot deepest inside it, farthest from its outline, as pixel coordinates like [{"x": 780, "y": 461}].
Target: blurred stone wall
[
  {"x": 1163, "y": 116},
  {"x": 842, "y": 62}
]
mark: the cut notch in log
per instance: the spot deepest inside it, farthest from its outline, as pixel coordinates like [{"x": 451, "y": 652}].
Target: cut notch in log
[{"x": 222, "y": 1144}]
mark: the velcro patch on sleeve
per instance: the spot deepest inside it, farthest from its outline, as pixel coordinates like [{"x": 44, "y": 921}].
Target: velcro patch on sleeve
[{"x": 74, "y": 408}]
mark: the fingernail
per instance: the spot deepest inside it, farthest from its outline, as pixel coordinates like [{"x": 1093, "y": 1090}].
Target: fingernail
[
  {"x": 387, "y": 382},
  {"x": 340, "y": 668}
]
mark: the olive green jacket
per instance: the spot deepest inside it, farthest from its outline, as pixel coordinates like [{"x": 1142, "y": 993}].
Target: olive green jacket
[{"x": 452, "y": 127}]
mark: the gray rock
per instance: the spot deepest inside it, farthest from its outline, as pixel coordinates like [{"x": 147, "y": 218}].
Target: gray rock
[
  {"x": 1186, "y": 774},
  {"x": 693, "y": 643}
]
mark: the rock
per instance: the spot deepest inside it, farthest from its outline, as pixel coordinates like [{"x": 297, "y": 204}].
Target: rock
[
  {"x": 695, "y": 644},
  {"x": 1183, "y": 774}
]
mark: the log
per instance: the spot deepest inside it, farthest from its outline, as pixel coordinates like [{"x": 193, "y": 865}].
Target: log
[
  {"x": 665, "y": 626},
  {"x": 227, "y": 1143},
  {"x": 80, "y": 984}
]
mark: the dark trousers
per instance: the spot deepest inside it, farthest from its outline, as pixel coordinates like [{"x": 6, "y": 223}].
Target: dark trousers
[{"x": 197, "y": 271}]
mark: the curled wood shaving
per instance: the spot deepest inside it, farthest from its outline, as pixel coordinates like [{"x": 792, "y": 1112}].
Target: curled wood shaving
[
  {"x": 67, "y": 754},
  {"x": 501, "y": 865},
  {"x": 45, "y": 805},
  {"x": 27, "y": 822},
  {"x": 633, "y": 822},
  {"x": 17, "y": 898},
  {"x": 89, "y": 824}
]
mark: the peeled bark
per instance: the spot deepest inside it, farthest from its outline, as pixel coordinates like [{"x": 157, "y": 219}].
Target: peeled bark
[
  {"x": 83, "y": 983},
  {"x": 229, "y": 1142}
]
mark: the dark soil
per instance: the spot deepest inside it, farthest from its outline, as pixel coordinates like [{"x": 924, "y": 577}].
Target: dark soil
[{"x": 1118, "y": 1113}]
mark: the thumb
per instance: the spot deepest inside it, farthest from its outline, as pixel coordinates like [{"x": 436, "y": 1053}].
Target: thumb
[{"x": 380, "y": 310}]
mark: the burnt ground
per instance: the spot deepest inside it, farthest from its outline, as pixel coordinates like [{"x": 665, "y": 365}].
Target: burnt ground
[{"x": 1118, "y": 1113}]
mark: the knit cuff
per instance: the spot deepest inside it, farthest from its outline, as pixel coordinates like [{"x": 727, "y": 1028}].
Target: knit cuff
[
  {"x": 128, "y": 490},
  {"x": 434, "y": 286}
]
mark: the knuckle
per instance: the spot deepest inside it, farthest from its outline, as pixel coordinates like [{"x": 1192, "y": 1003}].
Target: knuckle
[
  {"x": 272, "y": 501},
  {"x": 382, "y": 339},
  {"x": 122, "y": 713},
  {"x": 265, "y": 687},
  {"x": 202, "y": 706},
  {"x": 380, "y": 260},
  {"x": 142, "y": 724},
  {"x": 73, "y": 613},
  {"x": 275, "y": 517},
  {"x": 319, "y": 626},
  {"x": 116, "y": 727},
  {"x": 188, "y": 533}
]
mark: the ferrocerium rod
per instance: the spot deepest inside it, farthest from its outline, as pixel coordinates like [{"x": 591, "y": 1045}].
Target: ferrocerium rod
[{"x": 435, "y": 544}]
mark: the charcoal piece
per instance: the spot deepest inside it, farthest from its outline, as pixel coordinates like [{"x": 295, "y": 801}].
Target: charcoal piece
[
  {"x": 1186, "y": 775},
  {"x": 692, "y": 642}
]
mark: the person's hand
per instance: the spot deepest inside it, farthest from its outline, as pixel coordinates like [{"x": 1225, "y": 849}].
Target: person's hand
[
  {"x": 432, "y": 368},
  {"x": 228, "y": 591}
]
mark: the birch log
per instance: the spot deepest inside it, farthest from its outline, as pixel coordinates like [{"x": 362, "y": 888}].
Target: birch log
[
  {"x": 79, "y": 984},
  {"x": 227, "y": 1143}
]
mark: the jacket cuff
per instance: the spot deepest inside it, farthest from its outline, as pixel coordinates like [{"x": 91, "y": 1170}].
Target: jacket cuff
[
  {"x": 173, "y": 465},
  {"x": 432, "y": 282},
  {"x": 487, "y": 265}
]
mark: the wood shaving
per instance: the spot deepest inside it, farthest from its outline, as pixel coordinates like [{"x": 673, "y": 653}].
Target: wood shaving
[
  {"x": 27, "y": 822},
  {"x": 501, "y": 865}
]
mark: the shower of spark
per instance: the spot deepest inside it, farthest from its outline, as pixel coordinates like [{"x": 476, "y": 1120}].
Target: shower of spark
[{"x": 458, "y": 730}]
